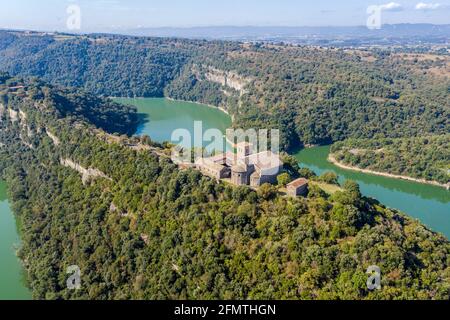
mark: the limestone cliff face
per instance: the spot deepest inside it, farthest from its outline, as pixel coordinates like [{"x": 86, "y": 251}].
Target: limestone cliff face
[
  {"x": 86, "y": 174},
  {"x": 22, "y": 116},
  {"x": 25, "y": 132},
  {"x": 13, "y": 116},
  {"x": 228, "y": 79},
  {"x": 25, "y": 142},
  {"x": 54, "y": 138}
]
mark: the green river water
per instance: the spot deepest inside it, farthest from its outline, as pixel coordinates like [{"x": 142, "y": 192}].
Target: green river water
[
  {"x": 12, "y": 284},
  {"x": 429, "y": 204},
  {"x": 160, "y": 117}
]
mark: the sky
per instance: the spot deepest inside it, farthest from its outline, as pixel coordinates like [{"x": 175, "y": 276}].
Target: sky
[{"x": 106, "y": 15}]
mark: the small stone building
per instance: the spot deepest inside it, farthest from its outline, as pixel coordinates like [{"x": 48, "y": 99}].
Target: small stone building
[{"x": 297, "y": 188}]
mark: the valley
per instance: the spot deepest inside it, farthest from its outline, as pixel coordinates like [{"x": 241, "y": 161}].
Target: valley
[
  {"x": 91, "y": 190},
  {"x": 427, "y": 203}
]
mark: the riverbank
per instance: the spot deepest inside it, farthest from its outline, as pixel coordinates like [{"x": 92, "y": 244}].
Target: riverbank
[
  {"x": 12, "y": 274},
  {"x": 205, "y": 104},
  {"x": 333, "y": 160},
  {"x": 427, "y": 203},
  {"x": 160, "y": 117},
  {"x": 424, "y": 202},
  {"x": 179, "y": 100}
]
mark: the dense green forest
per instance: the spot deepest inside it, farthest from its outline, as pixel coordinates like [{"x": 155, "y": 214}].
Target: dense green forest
[
  {"x": 104, "y": 66},
  {"x": 425, "y": 158},
  {"x": 103, "y": 112},
  {"x": 313, "y": 95},
  {"x": 144, "y": 229}
]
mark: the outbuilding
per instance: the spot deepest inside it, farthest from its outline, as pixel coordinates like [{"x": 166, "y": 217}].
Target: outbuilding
[{"x": 297, "y": 187}]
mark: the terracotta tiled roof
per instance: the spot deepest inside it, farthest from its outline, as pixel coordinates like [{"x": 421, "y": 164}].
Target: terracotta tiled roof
[{"x": 298, "y": 183}]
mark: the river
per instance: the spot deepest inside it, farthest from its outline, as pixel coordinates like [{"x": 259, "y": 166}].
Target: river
[
  {"x": 160, "y": 117},
  {"x": 430, "y": 204},
  {"x": 427, "y": 203},
  {"x": 12, "y": 278}
]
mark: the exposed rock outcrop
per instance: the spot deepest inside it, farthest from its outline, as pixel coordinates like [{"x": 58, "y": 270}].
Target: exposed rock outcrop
[
  {"x": 54, "y": 138},
  {"x": 228, "y": 79},
  {"x": 22, "y": 116},
  {"x": 114, "y": 209},
  {"x": 145, "y": 238},
  {"x": 25, "y": 142},
  {"x": 86, "y": 174},
  {"x": 30, "y": 132},
  {"x": 13, "y": 115}
]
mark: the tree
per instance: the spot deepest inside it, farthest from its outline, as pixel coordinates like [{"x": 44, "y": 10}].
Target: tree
[
  {"x": 146, "y": 140},
  {"x": 306, "y": 173},
  {"x": 424, "y": 157},
  {"x": 315, "y": 191},
  {"x": 267, "y": 191},
  {"x": 352, "y": 187},
  {"x": 283, "y": 179},
  {"x": 290, "y": 164},
  {"x": 329, "y": 177},
  {"x": 176, "y": 234}
]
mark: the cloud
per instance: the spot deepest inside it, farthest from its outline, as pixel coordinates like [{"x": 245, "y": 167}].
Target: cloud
[
  {"x": 391, "y": 6},
  {"x": 428, "y": 6}
]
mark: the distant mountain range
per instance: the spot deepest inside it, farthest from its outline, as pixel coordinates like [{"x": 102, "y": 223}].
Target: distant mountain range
[
  {"x": 387, "y": 35},
  {"x": 410, "y": 33}
]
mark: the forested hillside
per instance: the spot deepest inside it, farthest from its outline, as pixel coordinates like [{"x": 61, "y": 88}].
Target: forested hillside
[
  {"x": 313, "y": 95},
  {"x": 138, "y": 227},
  {"x": 426, "y": 158},
  {"x": 73, "y": 103},
  {"x": 108, "y": 66}
]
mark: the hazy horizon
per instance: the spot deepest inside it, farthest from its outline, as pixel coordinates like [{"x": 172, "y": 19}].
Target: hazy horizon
[{"x": 116, "y": 15}]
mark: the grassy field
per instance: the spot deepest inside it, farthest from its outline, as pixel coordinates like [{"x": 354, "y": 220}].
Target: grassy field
[{"x": 328, "y": 188}]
